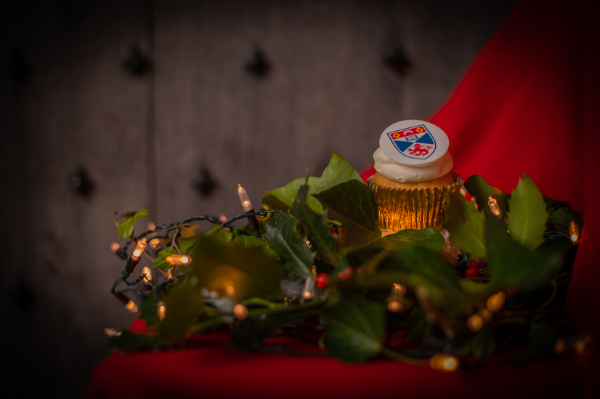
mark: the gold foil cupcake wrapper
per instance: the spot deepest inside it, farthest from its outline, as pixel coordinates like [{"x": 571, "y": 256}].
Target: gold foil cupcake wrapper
[{"x": 401, "y": 209}]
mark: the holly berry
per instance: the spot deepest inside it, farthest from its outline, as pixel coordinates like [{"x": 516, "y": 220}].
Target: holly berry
[
  {"x": 322, "y": 280},
  {"x": 346, "y": 274},
  {"x": 472, "y": 272},
  {"x": 476, "y": 265}
]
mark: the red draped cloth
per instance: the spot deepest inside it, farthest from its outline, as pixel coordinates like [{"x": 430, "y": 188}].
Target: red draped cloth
[{"x": 529, "y": 103}]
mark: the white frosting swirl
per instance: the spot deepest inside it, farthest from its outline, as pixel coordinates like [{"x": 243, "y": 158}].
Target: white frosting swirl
[{"x": 406, "y": 174}]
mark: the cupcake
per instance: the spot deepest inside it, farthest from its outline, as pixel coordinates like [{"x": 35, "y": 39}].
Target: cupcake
[{"x": 414, "y": 176}]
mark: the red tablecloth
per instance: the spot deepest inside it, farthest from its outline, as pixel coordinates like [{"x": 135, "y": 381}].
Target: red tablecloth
[{"x": 529, "y": 103}]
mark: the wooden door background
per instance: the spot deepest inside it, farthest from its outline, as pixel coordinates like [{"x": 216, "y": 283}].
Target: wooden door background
[{"x": 144, "y": 134}]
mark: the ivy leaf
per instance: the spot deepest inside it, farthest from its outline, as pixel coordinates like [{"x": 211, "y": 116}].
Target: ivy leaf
[
  {"x": 429, "y": 238},
  {"x": 466, "y": 226},
  {"x": 353, "y": 329},
  {"x": 183, "y": 307},
  {"x": 418, "y": 324},
  {"x": 562, "y": 217},
  {"x": 220, "y": 234},
  {"x": 126, "y": 226},
  {"x": 481, "y": 190},
  {"x": 186, "y": 245},
  {"x": 148, "y": 311},
  {"x": 527, "y": 216},
  {"x": 250, "y": 271},
  {"x": 514, "y": 266},
  {"x": 253, "y": 241},
  {"x": 338, "y": 171},
  {"x": 270, "y": 202},
  {"x": 480, "y": 344},
  {"x": 130, "y": 341},
  {"x": 282, "y": 237},
  {"x": 353, "y": 204},
  {"x": 554, "y": 247},
  {"x": 315, "y": 227},
  {"x": 189, "y": 231}
]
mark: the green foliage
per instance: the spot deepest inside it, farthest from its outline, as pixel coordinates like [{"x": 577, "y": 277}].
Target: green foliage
[
  {"x": 481, "y": 344},
  {"x": 481, "y": 190},
  {"x": 184, "y": 305},
  {"x": 514, "y": 266},
  {"x": 527, "y": 214},
  {"x": 126, "y": 226},
  {"x": 354, "y": 328},
  {"x": 148, "y": 311},
  {"x": 315, "y": 227},
  {"x": 338, "y": 171},
  {"x": 418, "y": 324},
  {"x": 466, "y": 226},
  {"x": 562, "y": 217},
  {"x": 250, "y": 270},
  {"x": 130, "y": 341},
  {"x": 353, "y": 204},
  {"x": 282, "y": 237},
  {"x": 220, "y": 234},
  {"x": 429, "y": 238},
  {"x": 554, "y": 247},
  {"x": 253, "y": 241}
]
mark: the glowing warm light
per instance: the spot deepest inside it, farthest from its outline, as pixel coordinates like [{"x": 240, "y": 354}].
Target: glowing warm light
[
  {"x": 495, "y": 302},
  {"x": 574, "y": 233},
  {"x": 131, "y": 306},
  {"x": 443, "y": 362},
  {"x": 240, "y": 311},
  {"x": 115, "y": 246},
  {"x": 309, "y": 288},
  {"x": 486, "y": 314},
  {"x": 244, "y": 198},
  {"x": 229, "y": 290},
  {"x": 147, "y": 273},
  {"x": 493, "y": 204},
  {"x": 475, "y": 204},
  {"x": 475, "y": 322},
  {"x": 308, "y": 244},
  {"x": 394, "y": 306},
  {"x": 151, "y": 226},
  {"x": 139, "y": 249},
  {"x": 154, "y": 242},
  {"x": 161, "y": 310},
  {"x": 222, "y": 218},
  {"x": 582, "y": 344},
  {"x": 111, "y": 332},
  {"x": 464, "y": 191},
  {"x": 178, "y": 260},
  {"x": 559, "y": 346}
]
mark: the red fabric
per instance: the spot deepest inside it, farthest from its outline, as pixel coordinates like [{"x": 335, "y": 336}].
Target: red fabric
[{"x": 530, "y": 103}]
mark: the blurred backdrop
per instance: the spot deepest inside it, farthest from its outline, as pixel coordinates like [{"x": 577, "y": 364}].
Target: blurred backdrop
[{"x": 117, "y": 105}]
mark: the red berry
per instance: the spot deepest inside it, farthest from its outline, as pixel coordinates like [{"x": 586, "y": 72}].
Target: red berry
[
  {"x": 472, "y": 272},
  {"x": 346, "y": 274},
  {"x": 477, "y": 265},
  {"x": 322, "y": 281}
]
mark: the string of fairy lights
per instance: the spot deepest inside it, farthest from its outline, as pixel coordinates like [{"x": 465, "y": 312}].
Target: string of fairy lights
[{"x": 440, "y": 361}]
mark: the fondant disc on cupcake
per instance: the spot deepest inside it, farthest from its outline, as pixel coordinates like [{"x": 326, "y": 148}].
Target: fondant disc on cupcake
[{"x": 414, "y": 143}]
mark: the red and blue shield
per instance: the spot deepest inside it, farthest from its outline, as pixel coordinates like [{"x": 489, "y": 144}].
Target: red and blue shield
[{"x": 415, "y": 142}]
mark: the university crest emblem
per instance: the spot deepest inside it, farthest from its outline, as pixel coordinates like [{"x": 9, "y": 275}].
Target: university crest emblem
[{"x": 414, "y": 142}]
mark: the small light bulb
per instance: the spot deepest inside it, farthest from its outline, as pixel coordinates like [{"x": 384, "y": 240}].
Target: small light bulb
[
  {"x": 131, "y": 306},
  {"x": 115, "y": 246},
  {"x": 240, "y": 311},
  {"x": 222, "y": 218},
  {"x": 443, "y": 362},
  {"x": 147, "y": 273},
  {"x": 178, "y": 260},
  {"x": 486, "y": 314},
  {"x": 139, "y": 249},
  {"x": 496, "y": 302},
  {"x": 307, "y": 295},
  {"x": 464, "y": 191},
  {"x": 151, "y": 226},
  {"x": 394, "y": 306},
  {"x": 154, "y": 242},
  {"x": 475, "y": 322},
  {"x": 574, "y": 233},
  {"x": 161, "y": 310},
  {"x": 493, "y": 204},
  {"x": 230, "y": 291},
  {"x": 559, "y": 346},
  {"x": 244, "y": 199},
  {"x": 111, "y": 332},
  {"x": 308, "y": 289}
]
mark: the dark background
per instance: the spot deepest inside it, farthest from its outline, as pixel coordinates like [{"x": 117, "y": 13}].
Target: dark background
[{"x": 149, "y": 97}]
